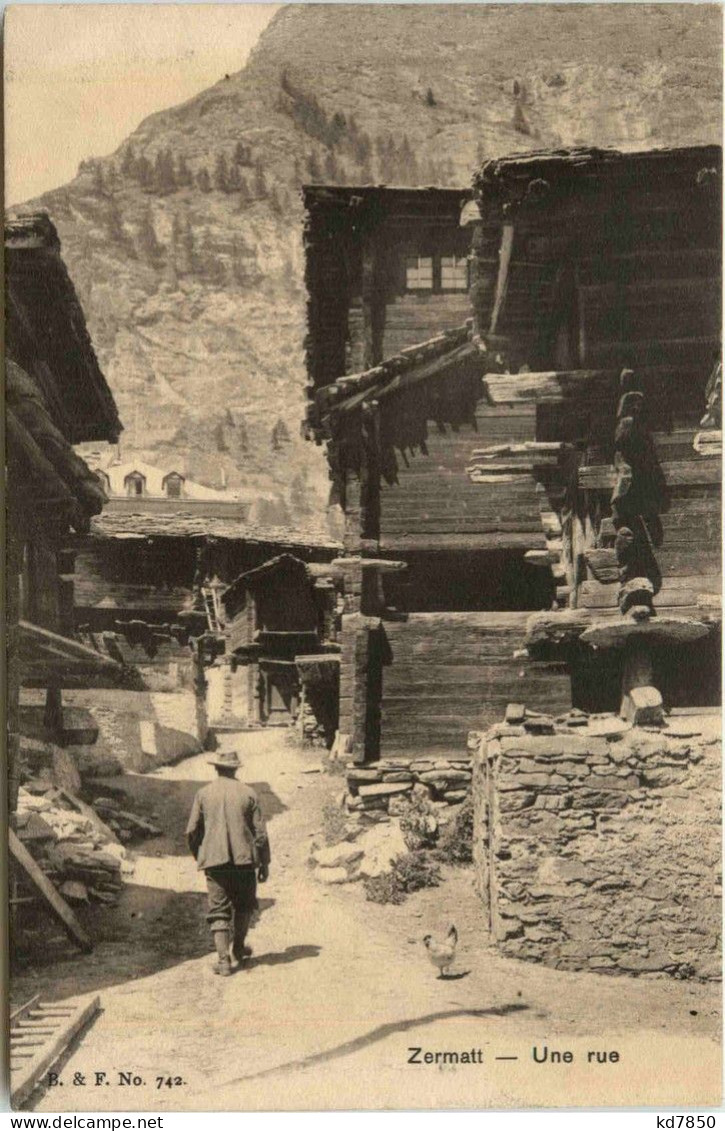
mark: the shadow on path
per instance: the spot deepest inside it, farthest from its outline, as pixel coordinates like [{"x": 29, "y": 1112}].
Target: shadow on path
[
  {"x": 280, "y": 957},
  {"x": 375, "y": 1035}
]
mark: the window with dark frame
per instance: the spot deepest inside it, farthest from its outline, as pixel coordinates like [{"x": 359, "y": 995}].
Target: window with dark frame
[
  {"x": 436, "y": 273},
  {"x": 454, "y": 273},
  {"x": 419, "y": 273}
]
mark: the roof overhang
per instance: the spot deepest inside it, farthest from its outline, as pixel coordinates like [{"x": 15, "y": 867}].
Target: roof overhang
[{"x": 48, "y": 659}]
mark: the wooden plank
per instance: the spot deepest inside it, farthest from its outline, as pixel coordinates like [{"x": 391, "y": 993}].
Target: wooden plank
[
  {"x": 26, "y": 1078},
  {"x": 697, "y": 351},
  {"x": 665, "y": 599},
  {"x": 699, "y": 470},
  {"x": 558, "y": 387},
  {"x": 453, "y": 652},
  {"x": 398, "y": 543},
  {"x": 706, "y": 285},
  {"x": 481, "y": 621},
  {"x": 56, "y": 904},
  {"x": 453, "y": 527},
  {"x": 681, "y": 560}
]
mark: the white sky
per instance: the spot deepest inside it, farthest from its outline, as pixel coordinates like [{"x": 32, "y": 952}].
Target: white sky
[{"x": 80, "y": 77}]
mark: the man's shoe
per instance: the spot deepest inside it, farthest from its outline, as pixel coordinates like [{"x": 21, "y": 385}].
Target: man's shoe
[
  {"x": 223, "y": 966},
  {"x": 239, "y": 953}
]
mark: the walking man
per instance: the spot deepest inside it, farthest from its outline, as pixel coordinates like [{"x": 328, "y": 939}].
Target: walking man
[{"x": 227, "y": 835}]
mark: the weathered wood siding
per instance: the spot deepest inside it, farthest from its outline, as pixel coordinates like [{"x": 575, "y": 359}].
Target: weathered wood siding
[
  {"x": 240, "y": 629},
  {"x": 409, "y": 319},
  {"x": 433, "y": 504},
  {"x": 619, "y": 263},
  {"x": 107, "y": 581},
  {"x": 448, "y": 673}
]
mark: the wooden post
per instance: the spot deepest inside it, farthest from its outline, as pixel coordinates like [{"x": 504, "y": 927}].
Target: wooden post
[
  {"x": 44, "y": 586},
  {"x": 370, "y": 474},
  {"x": 251, "y": 675},
  {"x": 258, "y": 690},
  {"x": 484, "y": 250},
  {"x": 507, "y": 243},
  {"x": 200, "y": 688},
  {"x": 66, "y": 591},
  {"x": 353, "y": 511},
  {"x": 373, "y": 303},
  {"x": 53, "y": 714}
]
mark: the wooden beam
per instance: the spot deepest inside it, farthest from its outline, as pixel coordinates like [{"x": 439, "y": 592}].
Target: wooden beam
[
  {"x": 47, "y": 657},
  {"x": 702, "y": 470},
  {"x": 57, "y": 906},
  {"x": 502, "y": 280},
  {"x": 563, "y": 627},
  {"x": 385, "y": 565},
  {"x": 371, "y": 302},
  {"x": 557, "y": 387},
  {"x": 470, "y": 540}
]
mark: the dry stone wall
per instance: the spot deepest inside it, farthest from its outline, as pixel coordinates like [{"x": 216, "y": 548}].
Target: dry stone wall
[
  {"x": 597, "y": 845},
  {"x": 389, "y": 784}
]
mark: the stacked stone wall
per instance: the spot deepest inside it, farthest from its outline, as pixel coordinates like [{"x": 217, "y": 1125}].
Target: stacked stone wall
[
  {"x": 598, "y": 847},
  {"x": 388, "y": 783}
]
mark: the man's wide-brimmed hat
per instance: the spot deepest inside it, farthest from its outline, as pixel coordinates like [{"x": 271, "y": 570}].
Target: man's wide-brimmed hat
[{"x": 226, "y": 758}]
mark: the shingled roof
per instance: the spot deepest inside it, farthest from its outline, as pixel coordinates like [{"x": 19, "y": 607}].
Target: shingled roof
[
  {"x": 414, "y": 364},
  {"x": 520, "y": 174},
  {"x": 47, "y": 334},
  {"x": 195, "y": 524},
  {"x": 44, "y": 471}
]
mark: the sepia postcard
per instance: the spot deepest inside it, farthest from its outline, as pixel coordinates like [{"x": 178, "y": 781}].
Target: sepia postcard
[{"x": 363, "y": 618}]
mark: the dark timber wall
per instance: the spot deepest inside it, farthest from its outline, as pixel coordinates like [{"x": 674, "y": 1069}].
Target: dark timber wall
[
  {"x": 409, "y": 319},
  {"x": 433, "y": 504},
  {"x": 448, "y": 673}
]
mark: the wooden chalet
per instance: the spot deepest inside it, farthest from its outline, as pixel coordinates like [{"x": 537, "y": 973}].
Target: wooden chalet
[
  {"x": 281, "y": 625},
  {"x": 153, "y": 576},
  {"x": 385, "y": 268},
  {"x": 56, "y": 396},
  {"x": 601, "y": 273},
  {"x": 462, "y": 461}
]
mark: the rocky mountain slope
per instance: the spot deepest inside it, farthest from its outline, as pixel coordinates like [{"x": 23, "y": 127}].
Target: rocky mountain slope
[{"x": 185, "y": 245}]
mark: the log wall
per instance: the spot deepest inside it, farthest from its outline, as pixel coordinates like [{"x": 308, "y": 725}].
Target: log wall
[
  {"x": 408, "y": 319},
  {"x": 618, "y": 264},
  {"x": 433, "y": 505},
  {"x": 447, "y": 673}
]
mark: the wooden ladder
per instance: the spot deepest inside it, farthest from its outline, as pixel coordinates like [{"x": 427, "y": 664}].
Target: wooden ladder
[{"x": 39, "y": 1035}]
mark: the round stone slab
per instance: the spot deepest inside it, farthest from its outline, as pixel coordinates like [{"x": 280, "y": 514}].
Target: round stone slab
[{"x": 658, "y": 630}]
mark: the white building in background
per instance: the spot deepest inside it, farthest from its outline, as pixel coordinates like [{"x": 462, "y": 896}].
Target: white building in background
[{"x": 136, "y": 479}]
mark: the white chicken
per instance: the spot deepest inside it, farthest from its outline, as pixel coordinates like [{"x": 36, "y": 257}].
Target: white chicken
[{"x": 442, "y": 954}]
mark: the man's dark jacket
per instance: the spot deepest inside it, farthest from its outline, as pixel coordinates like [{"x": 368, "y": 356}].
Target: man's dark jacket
[{"x": 226, "y": 826}]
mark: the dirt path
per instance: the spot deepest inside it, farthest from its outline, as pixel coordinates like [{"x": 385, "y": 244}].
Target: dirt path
[{"x": 340, "y": 990}]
